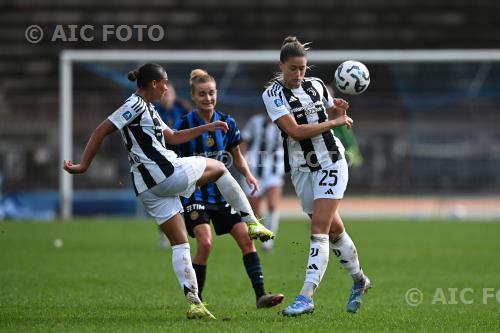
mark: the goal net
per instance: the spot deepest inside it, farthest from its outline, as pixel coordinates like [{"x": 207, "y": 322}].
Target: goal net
[{"x": 428, "y": 123}]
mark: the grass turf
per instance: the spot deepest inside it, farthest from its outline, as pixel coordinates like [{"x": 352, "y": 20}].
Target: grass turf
[{"x": 110, "y": 277}]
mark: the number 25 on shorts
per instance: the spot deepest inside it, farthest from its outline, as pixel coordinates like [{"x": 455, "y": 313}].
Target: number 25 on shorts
[{"x": 332, "y": 175}]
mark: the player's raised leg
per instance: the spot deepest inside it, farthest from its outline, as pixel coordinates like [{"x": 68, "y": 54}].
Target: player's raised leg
[
  {"x": 215, "y": 171},
  {"x": 344, "y": 249}
]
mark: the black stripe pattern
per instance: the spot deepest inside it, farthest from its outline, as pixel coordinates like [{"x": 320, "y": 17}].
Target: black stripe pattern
[
  {"x": 145, "y": 142},
  {"x": 300, "y": 116},
  {"x": 331, "y": 146},
  {"x": 301, "y": 119},
  {"x": 286, "y": 159},
  {"x": 200, "y": 151}
]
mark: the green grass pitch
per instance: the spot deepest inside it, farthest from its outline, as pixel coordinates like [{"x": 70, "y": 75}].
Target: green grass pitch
[{"x": 110, "y": 277}]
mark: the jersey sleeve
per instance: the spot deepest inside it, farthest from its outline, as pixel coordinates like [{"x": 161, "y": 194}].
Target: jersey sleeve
[
  {"x": 275, "y": 106},
  {"x": 326, "y": 96},
  {"x": 124, "y": 115},
  {"x": 233, "y": 134}
]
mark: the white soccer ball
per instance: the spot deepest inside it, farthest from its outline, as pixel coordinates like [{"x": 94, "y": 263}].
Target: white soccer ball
[
  {"x": 352, "y": 77},
  {"x": 58, "y": 243}
]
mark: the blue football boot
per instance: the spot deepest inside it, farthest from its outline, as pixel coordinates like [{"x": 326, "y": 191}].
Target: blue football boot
[{"x": 301, "y": 305}]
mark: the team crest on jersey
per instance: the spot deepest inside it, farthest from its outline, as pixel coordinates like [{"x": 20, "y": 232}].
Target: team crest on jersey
[
  {"x": 127, "y": 115},
  {"x": 210, "y": 141},
  {"x": 312, "y": 91},
  {"x": 194, "y": 215},
  {"x": 278, "y": 102}
]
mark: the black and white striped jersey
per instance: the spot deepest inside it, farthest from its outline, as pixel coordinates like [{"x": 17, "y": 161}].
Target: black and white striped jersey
[
  {"x": 307, "y": 105},
  {"x": 265, "y": 151},
  {"x": 142, "y": 131}
]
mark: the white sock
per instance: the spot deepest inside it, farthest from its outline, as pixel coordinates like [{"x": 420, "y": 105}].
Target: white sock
[
  {"x": 316, "y": 264},
  {"x": 235, "y": 197},
  {"x": 183, "y": 268},
  {"x": 344, "y": 249},
  {"x": 271, "y": 221}
]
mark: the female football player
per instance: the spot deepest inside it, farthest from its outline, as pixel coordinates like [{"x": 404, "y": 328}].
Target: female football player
[
  {"x": 208, "y": 203},
  {"x": 305, "y": 112},
  {"x": 159, "y": 176}
]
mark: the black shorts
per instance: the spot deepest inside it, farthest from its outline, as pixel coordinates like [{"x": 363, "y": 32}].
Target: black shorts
[{"x": 223, "y": 217}]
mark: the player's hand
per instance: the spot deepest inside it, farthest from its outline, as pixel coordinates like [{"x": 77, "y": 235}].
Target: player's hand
[
  {"x": 340, "y": 105},
  {"x": 217, "y": 125},
  {"x": 253, "y": 183},
  {"x": 343, "y": 120},
  {"x": 74, "y": 168}
]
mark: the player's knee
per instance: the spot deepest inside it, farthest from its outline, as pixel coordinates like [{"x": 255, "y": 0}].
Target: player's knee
[
  {"x": 220, "y": 168},
  {"x": 336, "y": 231},
  {"x": 215, "y": 168},
  {"x": 320, "y": 225},
  {"x": 205, "y": 245}
]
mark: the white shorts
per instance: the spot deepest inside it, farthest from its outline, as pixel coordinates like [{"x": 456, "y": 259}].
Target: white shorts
[
  {"x": 162, "y": 200},
  {"x": 265, "y": 184},
  {"x": 327, "y": 183}
]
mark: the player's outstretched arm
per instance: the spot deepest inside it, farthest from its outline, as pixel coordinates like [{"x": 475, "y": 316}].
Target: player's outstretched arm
[
  {"x": 306, "y": 131},
  {"x": 103, "y": 130},
  {"x": 182, "y": 136}
]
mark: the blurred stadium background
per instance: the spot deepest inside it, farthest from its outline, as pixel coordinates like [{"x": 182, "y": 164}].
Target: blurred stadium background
[{"x": 428, "y": 132}]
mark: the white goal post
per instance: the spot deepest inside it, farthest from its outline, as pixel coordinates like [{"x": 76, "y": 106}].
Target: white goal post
[{"x": 68, "y": 57}]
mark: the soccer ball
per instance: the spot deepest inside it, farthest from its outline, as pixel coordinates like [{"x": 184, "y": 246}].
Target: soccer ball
[{"x": 352, "y": 77}]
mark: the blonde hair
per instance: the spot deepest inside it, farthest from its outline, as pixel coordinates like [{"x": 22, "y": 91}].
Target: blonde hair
[{"x": 199, "y": 76}]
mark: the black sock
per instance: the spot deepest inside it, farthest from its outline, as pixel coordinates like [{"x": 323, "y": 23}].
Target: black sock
[
  {"x": 254, "y": 271},
  {"x": 201, "y": 275}
]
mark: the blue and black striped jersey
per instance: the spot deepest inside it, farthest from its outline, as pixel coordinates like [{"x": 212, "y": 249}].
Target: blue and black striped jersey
[
  {"x": 171, "y": 116},
  {"x": 215, "y": 145}
]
